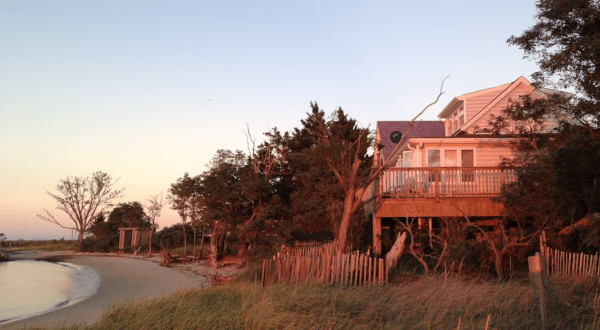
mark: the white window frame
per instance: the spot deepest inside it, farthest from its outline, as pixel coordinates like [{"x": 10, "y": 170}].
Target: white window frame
[
  {"x": 405, "y": 156},
  {"x": 443, "y": 155}
]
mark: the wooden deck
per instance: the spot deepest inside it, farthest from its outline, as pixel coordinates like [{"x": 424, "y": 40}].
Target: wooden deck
[
  {"x": 436, "y": 192},
  {"x": 443, "y": 182}
]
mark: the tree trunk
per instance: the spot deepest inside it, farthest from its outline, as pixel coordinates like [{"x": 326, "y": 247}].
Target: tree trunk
[
  {"x": 213, "y": 248},
  {"x": 202, "y": 242},
  {"x": 194, "y": 248},
  {"x": 581, "y": 224},
  {"x": 80, "y": 238},
  {"x": 150, "y": 241},
  {"x": 498, "y": 265},
  {"x": 184, "y": 241},
  {"x": 346, "y": 218},
  {"x": 396, "y": 252},
  {"x": 243, "y": 245},
  {"x": 214, "y": 243}
]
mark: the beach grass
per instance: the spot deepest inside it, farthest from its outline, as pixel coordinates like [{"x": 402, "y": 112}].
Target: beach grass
[
  {"x": 55, "y": 245},
  {"x": 190, "y": 250},
  {"x": 431, "y": 302}
]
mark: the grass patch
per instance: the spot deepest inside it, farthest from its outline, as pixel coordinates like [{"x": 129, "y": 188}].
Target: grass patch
[
  {"x": 190, "y": 250},
  {"x": 427, "y": 303},
  {"x": 52, "y": 246}
]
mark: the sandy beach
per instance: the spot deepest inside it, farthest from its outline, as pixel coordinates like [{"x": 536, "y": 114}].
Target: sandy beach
[{"x": 121, "y": 278}]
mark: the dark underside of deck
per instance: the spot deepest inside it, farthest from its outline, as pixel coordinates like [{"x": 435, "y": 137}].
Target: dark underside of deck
[{"x": 438, "y": 207}]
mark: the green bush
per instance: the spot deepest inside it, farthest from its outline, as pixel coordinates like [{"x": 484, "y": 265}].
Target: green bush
[{"x": 104, "y": 244}]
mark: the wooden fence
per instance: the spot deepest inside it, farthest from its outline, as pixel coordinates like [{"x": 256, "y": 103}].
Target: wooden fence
[
  {"x": 323, "y": 264},
  {"x": 569, "y": 263}
]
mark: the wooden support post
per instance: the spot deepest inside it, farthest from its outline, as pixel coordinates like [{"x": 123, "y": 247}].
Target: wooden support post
[
  {"x": 376, "y": 236},
  {"x": 539, "y": 284}
]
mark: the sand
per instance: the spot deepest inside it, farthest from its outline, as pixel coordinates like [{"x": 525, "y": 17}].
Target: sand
[{"x": 121, "y": 278}]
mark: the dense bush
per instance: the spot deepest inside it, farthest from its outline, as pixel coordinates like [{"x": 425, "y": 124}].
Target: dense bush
[
  {"x": 107, "y": 243},
  {"x": 172, "y": 237}
]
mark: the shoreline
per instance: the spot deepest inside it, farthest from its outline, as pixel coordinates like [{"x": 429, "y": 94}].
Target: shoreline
[{"x": 122, "y": 278}]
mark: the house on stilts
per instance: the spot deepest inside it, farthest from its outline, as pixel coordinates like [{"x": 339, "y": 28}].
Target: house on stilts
[{"x": 445, "y": 168}]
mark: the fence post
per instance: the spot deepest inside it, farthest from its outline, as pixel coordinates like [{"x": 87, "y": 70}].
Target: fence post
[{"x": 539, "y": 284}]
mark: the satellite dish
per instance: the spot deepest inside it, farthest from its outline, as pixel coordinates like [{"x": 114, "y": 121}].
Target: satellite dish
[{"x": 396, "y": 136}]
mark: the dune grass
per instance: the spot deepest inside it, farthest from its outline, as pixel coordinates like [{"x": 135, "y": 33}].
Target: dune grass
[
  {"x": 56, "y": 245},
  {"x": 424, "y": 303}
]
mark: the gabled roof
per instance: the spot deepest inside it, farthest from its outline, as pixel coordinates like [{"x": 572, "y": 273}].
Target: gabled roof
[
  {"x": 484, "y": 95},
  {"x": 500, "y": 96},
  {"x": 420, "y": 129}
]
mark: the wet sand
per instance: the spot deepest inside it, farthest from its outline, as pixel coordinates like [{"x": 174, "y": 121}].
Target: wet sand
[{"x": 121, "y": 278}]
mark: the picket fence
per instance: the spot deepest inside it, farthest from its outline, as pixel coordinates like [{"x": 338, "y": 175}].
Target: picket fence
[
  {"x": 322, "y": 263},
  {"x": 568, "y": 263}
]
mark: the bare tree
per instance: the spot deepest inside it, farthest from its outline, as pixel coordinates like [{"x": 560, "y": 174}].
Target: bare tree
[
  {"x": 83, "y": 198},
  {"x": 156, "y": 203},
  {"x": 347, "y": 170},
  {"x": 502, "y": 241}
]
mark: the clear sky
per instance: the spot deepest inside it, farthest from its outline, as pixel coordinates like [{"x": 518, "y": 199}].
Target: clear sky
[{"x": 148, "y": 90}]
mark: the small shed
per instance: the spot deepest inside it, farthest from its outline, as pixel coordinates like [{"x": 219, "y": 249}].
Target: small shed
[{"x": 132, "y": 237}]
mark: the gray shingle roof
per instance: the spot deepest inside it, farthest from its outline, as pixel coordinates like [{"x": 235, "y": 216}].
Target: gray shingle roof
[{"x": 420, "y": 129}]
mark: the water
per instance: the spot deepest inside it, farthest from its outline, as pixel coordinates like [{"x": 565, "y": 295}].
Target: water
[{"x": 29, "y": 288}]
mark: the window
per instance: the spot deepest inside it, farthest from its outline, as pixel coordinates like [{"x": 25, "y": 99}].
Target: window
[
  {"x": 455, "y": 121},
  {"x": 467, "y": 160},
  {"x": 450, "y": 158},
  {"x": 407, "y": 159},
  {"x": 461, "y": 116},
  {"x": 433, "y": 160}
]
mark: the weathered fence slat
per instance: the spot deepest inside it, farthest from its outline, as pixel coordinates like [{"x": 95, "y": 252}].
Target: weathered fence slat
[
  {"x": 312, "y": 262},
  {"x": 568, "y": 263}
]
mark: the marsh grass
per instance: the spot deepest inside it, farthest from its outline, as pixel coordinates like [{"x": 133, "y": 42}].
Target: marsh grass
[
  {"x": 424, "y": 303},
  {"x": 61, "y": 245}
]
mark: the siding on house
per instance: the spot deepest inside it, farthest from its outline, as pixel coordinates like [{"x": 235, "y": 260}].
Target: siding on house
[
  {"x": 500, "y": 105},
  {"x": 487, "y": 151},
  {"x": 478, "y": 100}
]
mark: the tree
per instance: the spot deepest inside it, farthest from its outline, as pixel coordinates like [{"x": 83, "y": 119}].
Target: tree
[
  {"x": 224, "y": 202},
  {"x": 128, "y": 215},
  {"x": 82, "y": 199},
  {"x": 332, "y": 155},
  {"x": 564, "y": 43},
  {"x": 560, "y": 170},
  {"x": 180, "y": 195},
  {"x": 105, "y": 230},
  {"x": 153, "y": 209},
  {"x": 341, "y": 148}
]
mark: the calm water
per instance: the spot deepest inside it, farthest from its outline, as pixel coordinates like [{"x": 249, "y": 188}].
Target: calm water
[{"x": 29, "y": 288}]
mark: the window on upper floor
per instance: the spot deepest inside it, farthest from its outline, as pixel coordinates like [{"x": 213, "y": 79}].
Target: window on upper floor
[
  {"x": 461, "y": 116},
  {"x": 454, "y": 121}
]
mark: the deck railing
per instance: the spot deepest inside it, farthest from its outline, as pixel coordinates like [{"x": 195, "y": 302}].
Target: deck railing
[{"x": 444, "y": 181}]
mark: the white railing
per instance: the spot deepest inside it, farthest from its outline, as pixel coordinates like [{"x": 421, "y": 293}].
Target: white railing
[{"x": 444, "y": 181}]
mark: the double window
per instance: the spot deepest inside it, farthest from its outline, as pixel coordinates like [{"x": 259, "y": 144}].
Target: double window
[
  {"x": 452, "y": 158},
  {"x": 457, "y": 119}
]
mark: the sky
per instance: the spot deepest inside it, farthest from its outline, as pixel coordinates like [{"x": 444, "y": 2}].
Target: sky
[{"x": 148, "y": 90}]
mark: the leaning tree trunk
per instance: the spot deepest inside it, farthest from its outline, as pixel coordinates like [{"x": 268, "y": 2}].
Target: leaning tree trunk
[
  {"x": 346, "y": 219},
  {"x": 396, "y": 252}
]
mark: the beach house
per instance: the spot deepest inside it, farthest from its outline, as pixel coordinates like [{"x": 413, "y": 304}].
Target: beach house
[{"x": 446, "y": 168}]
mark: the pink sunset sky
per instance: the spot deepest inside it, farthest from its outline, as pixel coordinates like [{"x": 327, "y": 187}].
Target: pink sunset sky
[{"x": 149, "y": 90}]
